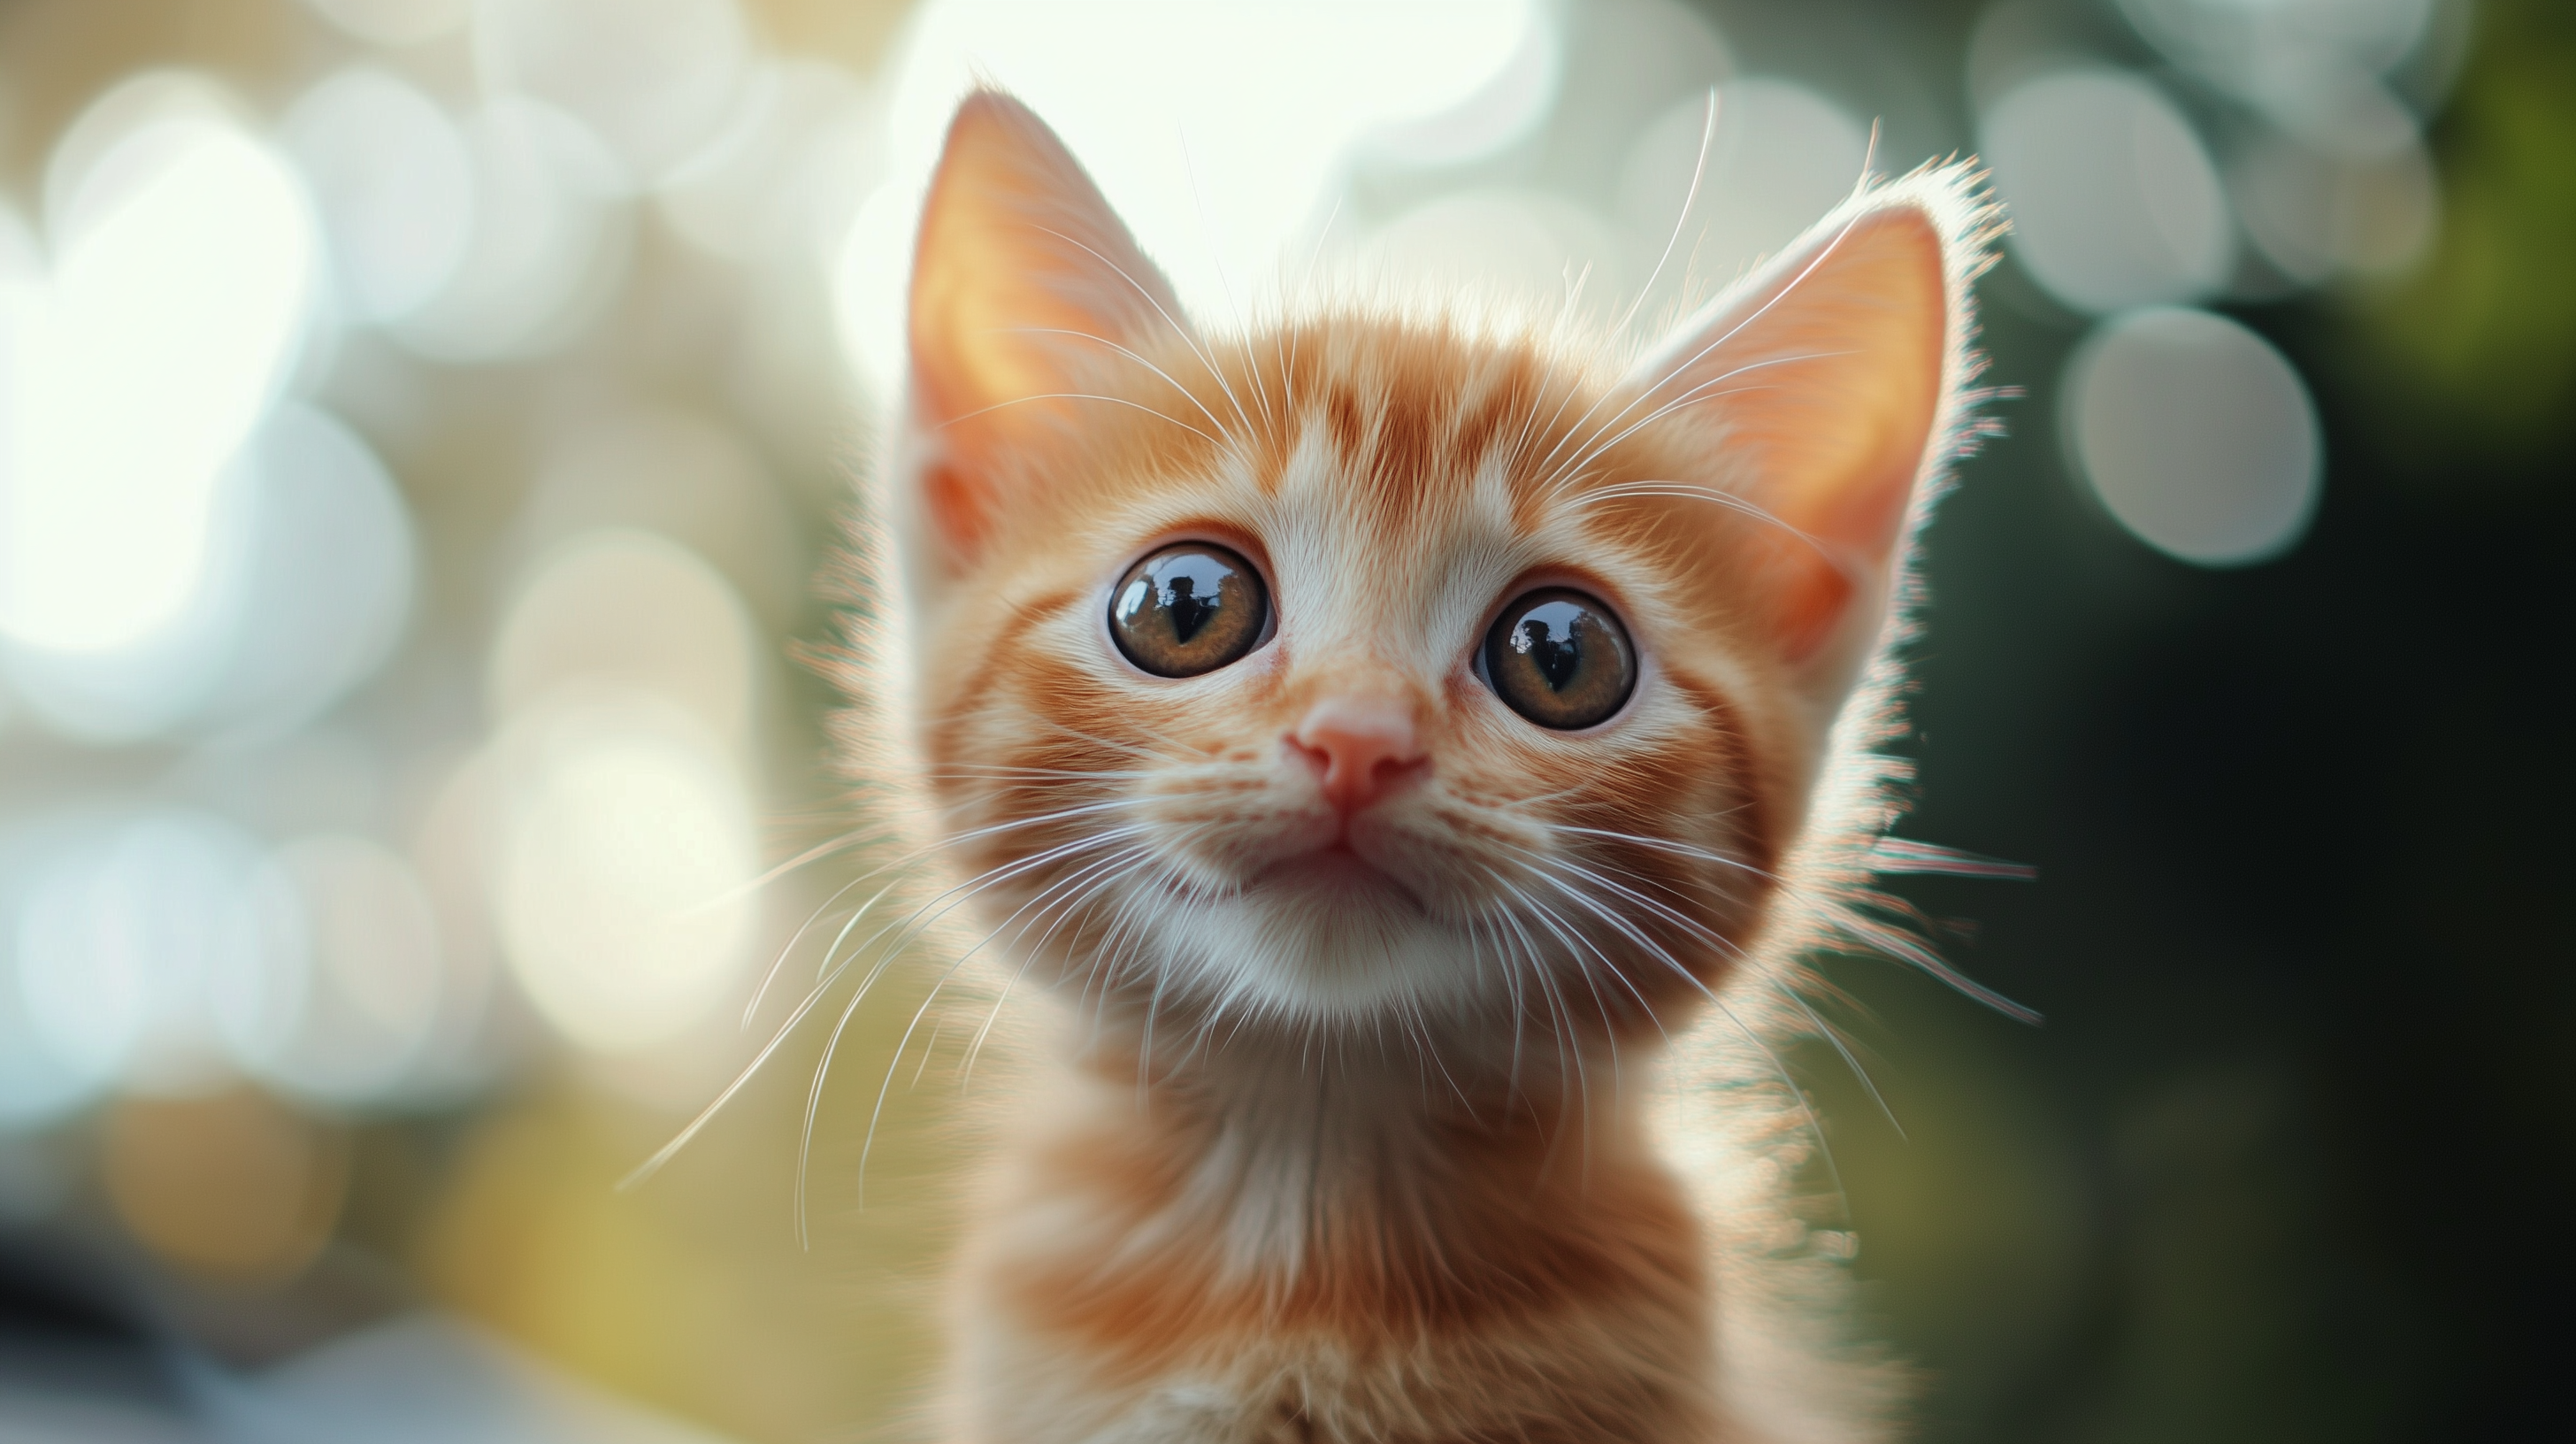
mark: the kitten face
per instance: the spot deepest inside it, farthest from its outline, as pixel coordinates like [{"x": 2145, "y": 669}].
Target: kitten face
[
  {"x": 1338, "y": 814},
  {"x": 1467, "y": 859}
]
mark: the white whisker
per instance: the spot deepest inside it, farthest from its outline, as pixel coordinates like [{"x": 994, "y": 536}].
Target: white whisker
[
  {"x": 1699, "y": 172},
  {"x": 1187, "y": 338},
  {"x": 1081, "y": 396},
  {"x": 1131, "y": 355},
  {"x": 822, "y": 1071}
]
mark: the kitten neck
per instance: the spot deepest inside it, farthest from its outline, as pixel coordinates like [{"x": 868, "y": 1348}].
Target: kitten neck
[{"x": 1365, "y": 1085}]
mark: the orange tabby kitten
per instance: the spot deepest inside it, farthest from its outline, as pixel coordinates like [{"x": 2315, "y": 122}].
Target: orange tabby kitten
[{"x": 1386, "y": 734}]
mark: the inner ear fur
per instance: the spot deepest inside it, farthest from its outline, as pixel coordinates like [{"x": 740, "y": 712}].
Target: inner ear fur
[
  {"x": 1024, "y": 282},
  {"x": 1822, "y": 393}
]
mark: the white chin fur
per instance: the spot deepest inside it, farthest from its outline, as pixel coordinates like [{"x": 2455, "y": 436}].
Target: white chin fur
[{"x": 1318, "y": 956}]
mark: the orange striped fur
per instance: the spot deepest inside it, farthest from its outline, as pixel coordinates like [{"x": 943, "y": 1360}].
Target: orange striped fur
[{"x": 1355, "y": 1132}]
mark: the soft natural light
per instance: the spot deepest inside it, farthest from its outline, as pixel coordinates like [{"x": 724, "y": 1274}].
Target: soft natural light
[
  {"x": 2113, "y": 198},
  {"x": 1214, "y": 129},
  {"x": 127, "y": 943},
  {"x": 182, "y": 267},
  {"x": 342, "y": 1017},
  {"x": 1780, "y": 157},
  {"x": 626, "y": 609},
  {"x": 627, "y": 836},
  {"x": 325, "y": 585},
  {"x": 549, "y": 243},
  {"x": 394, "y": 22},
  {"x": 2196, "y": 434},
  {"x": 652, "y": 78},
  {"x": 394, "y": 184}
]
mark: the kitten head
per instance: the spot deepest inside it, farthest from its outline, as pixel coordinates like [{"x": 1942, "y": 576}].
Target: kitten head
[{"x": 1376, "y": 674}]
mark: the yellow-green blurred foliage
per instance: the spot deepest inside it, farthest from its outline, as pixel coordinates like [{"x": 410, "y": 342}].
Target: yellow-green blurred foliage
[{"x": 2484, "y": 335}]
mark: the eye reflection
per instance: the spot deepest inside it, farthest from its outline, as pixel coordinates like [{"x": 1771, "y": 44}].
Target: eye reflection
[
  {"x": 1188, "y": 609},
  {"x": 1560, "y": 659}
]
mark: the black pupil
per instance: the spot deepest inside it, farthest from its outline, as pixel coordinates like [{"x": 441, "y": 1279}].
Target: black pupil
[
  {"x": 1548, "y": 638},
  {"x": 1180, "y": 598}
]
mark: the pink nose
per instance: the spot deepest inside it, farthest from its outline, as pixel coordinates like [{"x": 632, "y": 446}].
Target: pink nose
[{"x": 1361, "y": 745}]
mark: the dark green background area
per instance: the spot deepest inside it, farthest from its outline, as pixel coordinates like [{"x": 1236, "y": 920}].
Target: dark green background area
[{"x": 2286, "y": 1160}]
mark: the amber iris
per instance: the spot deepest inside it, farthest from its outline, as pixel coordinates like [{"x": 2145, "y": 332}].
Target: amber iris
[
  {"x": 1188, "y": 609},
  {"x": 1561, "y": 659}
]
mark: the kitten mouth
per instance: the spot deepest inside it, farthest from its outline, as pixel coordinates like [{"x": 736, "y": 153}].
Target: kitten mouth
[{"x": 1338, "y": 872}]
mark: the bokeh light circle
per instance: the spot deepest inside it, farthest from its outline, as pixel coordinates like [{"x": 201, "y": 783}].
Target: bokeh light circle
[
  {"x": 2196, "y": 434},
  {"x": 134, "y": 104},
  {"x": 393, "y": 183},
  {"x": 131, "y": 943},
  {"x": 550, "y": 239},
  {"x": 1505, "y": 243},
  {"x": 47, "y": 1070},
  {"x": 1781, "y": 156},
  {"x": 1514, "y": 98},
  {"x": 327, "y": 588},
  {"x": 232, "y": 1187},
  {"x": 343, "y": 1019},
  {"x": 182, "y": 267},
  {"x": 305, "y": 591},
  {"x": 2263, "y": 48},
  {"x": 2114, "y": 202},
  {"x": 627, "y": 840},
  {"x": 621, "y": 609},
  {"x": 653, "y": 78},
  {"x": 744, "y": 194},
  {"x": 2314, "y": 214},
  {"x": 674, "y": 473},
  {"x": 1190, "y": 145},
  {"x": 394, "y": 22}
]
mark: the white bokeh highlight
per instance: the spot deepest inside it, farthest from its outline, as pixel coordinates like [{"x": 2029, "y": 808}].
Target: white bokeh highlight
[
  {"x": 627, "y": 841},
  {"x": 549, "y": 245},
  {"x": 1216, "y": 131},
  {"x": 132, "y": 941},
  {"x": 623, "y": 679},
  {"x": 305, "y": 590},
  {"x": 2114, "y": 202},
  {"x": 393, "y": 183},
  {"x": 790, "y": 165},
  {"x": 1513, "y": 244},
  {"x": 2195, "y": 434},
  {"x": 394, "y": 22},
  {"x": 624, "y": 610},
  {"x": 1779, "y": 156},
  {"x": 183, "y": 263},
  {"x": 2279, "y": 51},
  {"x": 325, "y": 592},
  {"x": 652, "y": 78}
]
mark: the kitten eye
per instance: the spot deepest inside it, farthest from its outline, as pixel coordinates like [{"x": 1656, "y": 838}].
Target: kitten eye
[
  {"x": 1188, "y": 609},
  {"x": 1560, "y": 659}
]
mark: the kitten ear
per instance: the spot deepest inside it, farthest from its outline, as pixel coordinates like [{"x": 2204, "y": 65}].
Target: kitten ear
[
  {"x": 1023, "y": 280},
  {"x": 1821, "y": 391}
]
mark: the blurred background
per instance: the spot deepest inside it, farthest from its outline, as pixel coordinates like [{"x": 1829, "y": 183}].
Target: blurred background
[{"x": 424, "y": 424}]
